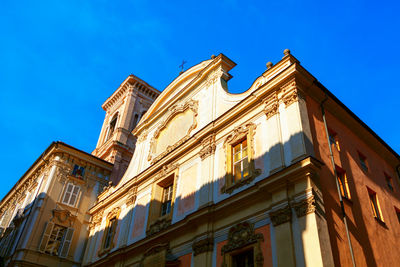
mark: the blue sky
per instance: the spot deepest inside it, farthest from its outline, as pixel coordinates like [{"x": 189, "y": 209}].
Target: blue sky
[{"x": 59, "y": 60}]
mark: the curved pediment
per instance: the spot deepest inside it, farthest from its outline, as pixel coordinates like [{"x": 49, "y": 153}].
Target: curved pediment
[
  {"x": 174, "y": 130},
  {"x": 175, "y": 87}
]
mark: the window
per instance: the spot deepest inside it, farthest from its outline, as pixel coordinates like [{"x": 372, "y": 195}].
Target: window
[
  {"x": 375, "y": 205},
  {"x": 109, "y": 234},
  {"x": 71, "y": 194},
  {"x": 78, "y": 171},
  {"x": 244, "y": 259},
  {"x": 363, "y": 162},
  {"x": 162, "y": 202},
  {"x": 111, "y": 127},
  {"x": 56, "y": 240},
  {"x": 333, "y": 139},
  {"x": 240, "y": 167},
  {"x": 389, "y": 182},
  {"x": 166, "y": 200},
  {"x": 397, "y": 213},
  {"x": 110, "y": 231},
  {"x": 343, "y": 185},
  {"x": 240, "y": 161},
  {"x": 135, "y": 121}
]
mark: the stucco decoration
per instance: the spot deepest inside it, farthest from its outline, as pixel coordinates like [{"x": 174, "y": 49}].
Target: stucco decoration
[
  {"x": 203, "y": 245},
  {"x": 158, "y": 225},
  {"x": 166, "y": 137},
  {"x": 208, "y": 146},
  {"x": 271, "y": 106},
  {"x": 96, "y": 219},
  {"x": 281, "y": 216},
  {"x": 63, "y": 217},
  {"x": 291, "y": 93},
  {"x": 114, "y": 213},
  {"x": 131, "y": 196},
  {"x": 305, "y": 206},
  {"x": 240, "y": 236}
]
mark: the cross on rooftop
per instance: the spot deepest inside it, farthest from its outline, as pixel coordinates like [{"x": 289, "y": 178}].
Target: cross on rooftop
[{"x": 182, "y": 65}]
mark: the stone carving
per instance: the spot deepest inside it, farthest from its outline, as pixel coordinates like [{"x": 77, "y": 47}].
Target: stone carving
[
  {"x": 131, "y": 196},
  {"x": 208, "y": 146},
  {"x": 271, "y": 106},
  {"x": 64, "y": 216},
  {"x": 63, "y": 171},
  {"x": 213, "y": 77},
  {"x": 242, "y": 235},
  {"x": 165, "y": 170},
  {"x": 96, "y": 219},
  {"x": 175, "y": 110},
  {"x": 114, "y": 213},
  {"x": 203, "y": 245},
  {"x": 281, "y": 216},
  {"x": 305, "y": 206},
  {"x": 158, "y": 226},
  {"x": 142, "y": 137}
]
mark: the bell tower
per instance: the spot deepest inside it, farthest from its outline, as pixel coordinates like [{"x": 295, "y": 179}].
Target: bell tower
[{"x": 124, "y": 109}]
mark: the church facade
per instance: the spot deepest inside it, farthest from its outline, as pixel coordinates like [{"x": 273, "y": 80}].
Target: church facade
[{"x": 282, "y": 174}]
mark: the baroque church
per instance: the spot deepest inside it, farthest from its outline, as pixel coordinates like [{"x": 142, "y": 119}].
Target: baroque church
[{"x": 283, "y": 174}]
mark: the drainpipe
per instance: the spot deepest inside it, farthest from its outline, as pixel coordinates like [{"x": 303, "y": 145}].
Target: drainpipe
[{"x": 337, "y": 183}]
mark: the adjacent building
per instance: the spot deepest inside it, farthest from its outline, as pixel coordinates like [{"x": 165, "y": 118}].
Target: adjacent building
[
  {"x": 282, "y": 174},
  {"x": 44, "y": 219}
]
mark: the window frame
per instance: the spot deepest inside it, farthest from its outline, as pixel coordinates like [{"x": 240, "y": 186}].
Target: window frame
[
  {"x": 343, "y": 183},
  {"x": 332, "y": 136},
  {"x": 241, "y": 133},
  {"x": 156, "y": 220},
  {"x": 77, "y": 196},
  {"x": 110, "y": 231},
  {"x": 64, "y": 243},
  {"x": 375, "y": 206},
  {"x": 363, "y": 162},
  {"x": 389, "y": 182}
]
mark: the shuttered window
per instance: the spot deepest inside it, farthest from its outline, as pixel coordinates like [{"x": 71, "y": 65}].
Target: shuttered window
[
  {"x": 56, "y": 240},
  {"x": 71, "y": 194}
]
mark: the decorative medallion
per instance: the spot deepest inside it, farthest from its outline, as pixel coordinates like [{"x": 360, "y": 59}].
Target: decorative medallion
[{"x": 208, "y": 146}]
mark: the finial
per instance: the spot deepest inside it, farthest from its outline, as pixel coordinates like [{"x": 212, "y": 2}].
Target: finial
[
  {"x": 286, "y": 52},
  {"x": 269, "y": 65},
  {"x": 212, "y": 56}
]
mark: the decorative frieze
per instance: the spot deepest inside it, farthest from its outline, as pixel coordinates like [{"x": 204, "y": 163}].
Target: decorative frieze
[
  {"x": 208, "y": 147},
  {"x": 281, "y": 216},
  {"x": 203, "y": 245},
  {"x": 305, "y": 206}
]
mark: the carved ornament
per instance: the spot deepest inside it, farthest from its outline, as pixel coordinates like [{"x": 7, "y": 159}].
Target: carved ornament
[
  {"x": 173, "y": 111},
  {"x": 281, "y": 216},
  {"x": 64, "y": 216},
  {"x": 158, "y": 226},
  {"x": 304, "y": 207},
  {"x": 96, "y": 219},
  {"x": 242, "y": 235},
  {"x": 166, "y": 169},
  {"x": 271, "y": 107},
  {"x": 114, "y": 213},
  {"x": 203, "y": 245},
  {"x": 131, "y": 196},
  {"x": 213, "y": 77},
  {"x": 208, "y": 147}
]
